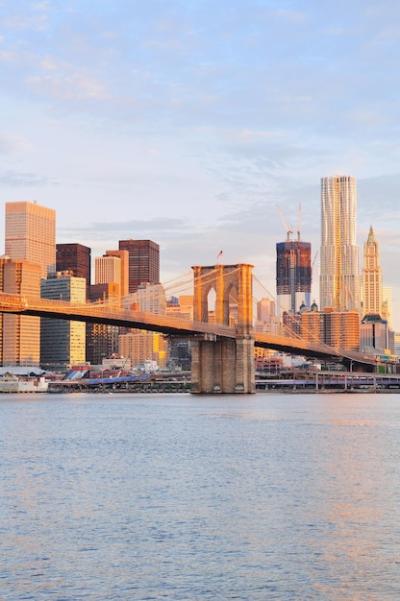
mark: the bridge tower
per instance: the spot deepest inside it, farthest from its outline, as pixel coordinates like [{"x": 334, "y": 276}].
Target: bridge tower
[{"x": 224, "y": 365}]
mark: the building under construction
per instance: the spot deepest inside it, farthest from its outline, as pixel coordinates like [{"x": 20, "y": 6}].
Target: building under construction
[{"x": 293, "y": 274}]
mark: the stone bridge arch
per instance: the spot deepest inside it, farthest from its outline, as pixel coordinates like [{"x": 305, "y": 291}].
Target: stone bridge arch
[{"x": 224, "y": 365}]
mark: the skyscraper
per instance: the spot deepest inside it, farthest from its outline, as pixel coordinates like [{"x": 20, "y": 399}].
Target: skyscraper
[
  {"x": 266, "y": 316},
  {"x": 387, "y": 305},
  {"x": 339, "y": 329},
  {"x": 63, "y": 342},
  {"x": 75, "y": 258},
  {"x": 144, "y": 262},
  {"x": 108, "y": 270},
  {"x": 31, "y": 234},
  {"x": 123, "y": 255},
  {"x": 339, "y": 279},
  {"x": 20, "y": 333},
  {"x": 102, "y": 340},
  {"x": 293, "y": 274},
  {"x": 372, "y": 277}
]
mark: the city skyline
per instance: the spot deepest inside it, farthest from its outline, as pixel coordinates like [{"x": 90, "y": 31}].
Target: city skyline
[
  {"x": 186, "y": 147},
  {"x": 199, "y": 299},
  {"x": 145, "y": 254}
]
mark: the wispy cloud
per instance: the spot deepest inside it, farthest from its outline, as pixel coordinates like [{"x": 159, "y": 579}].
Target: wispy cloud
[
  {"x": 10, "y": 144},
  {"x": 21, "y": 179},
  {"x": 68, "y": 85}
]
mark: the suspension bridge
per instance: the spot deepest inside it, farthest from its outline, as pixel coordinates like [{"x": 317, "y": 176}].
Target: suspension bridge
[{"x": 222, "y": 349}]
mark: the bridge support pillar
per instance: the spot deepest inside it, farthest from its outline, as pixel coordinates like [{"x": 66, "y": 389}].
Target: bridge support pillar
[{"x": 223, "y": 366}]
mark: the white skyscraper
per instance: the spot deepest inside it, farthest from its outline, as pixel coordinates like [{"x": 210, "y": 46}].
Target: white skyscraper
[
  {"x": 339, "y": 278},
  {"x": 372, "y": 277}
]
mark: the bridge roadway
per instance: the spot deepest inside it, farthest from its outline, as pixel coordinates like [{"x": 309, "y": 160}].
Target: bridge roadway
[{"x": 113, "y": 315}]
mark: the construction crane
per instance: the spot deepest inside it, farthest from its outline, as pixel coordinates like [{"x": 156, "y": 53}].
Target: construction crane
[
  {"x": 287, "y": 227},
  {"x": 299, "y": 217}
]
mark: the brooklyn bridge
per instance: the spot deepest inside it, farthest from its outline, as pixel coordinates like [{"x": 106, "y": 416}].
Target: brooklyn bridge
[{"x": 222, "y": 352}]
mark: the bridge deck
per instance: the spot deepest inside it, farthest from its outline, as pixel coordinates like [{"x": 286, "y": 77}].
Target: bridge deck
[{"x": 112, "y": 315}]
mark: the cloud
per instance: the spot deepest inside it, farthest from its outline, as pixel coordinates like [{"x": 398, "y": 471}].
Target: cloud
[
  {"x": 10, "y": 144},
  {"x": 134, "y": 227},
  {"x": 67, "y": 85},
  {"x": 22, "y": 179}
]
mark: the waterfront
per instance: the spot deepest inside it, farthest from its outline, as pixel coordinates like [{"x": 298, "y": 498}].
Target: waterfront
[{"x": 187, "y": 497}]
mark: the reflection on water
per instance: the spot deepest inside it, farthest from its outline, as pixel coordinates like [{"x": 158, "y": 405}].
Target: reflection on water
[{"x": 136, "y": 497}]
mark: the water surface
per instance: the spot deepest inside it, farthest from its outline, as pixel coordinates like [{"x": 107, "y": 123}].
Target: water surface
[{"x": 174, "y": 497}]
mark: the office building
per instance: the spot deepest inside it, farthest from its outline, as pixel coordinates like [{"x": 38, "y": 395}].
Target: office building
[
  {"x": 179, "y": 348},
  {"x": 141, "y": 346},
  {"x": 149, "y": 298},
  {"x": 396, "y": 337},
  {"x": 372, "y": 277},
  {"x": 101, "y": 339},
  {"x": 108, "y": 271},
  {"x": 339, "y": 276},
  {"x": 30, "y": 234},
  {"x": 20, "y": 336},
  {"x": 338, "y": 329},
  {"x": 374, "y": 334},
  {"x": 266, "y": 316},
  {"x": 387, "y": 305},
  {"x": 293, "y": 275},
  {"x": 63, "y": 343},
  {"x": 144, "y": 262},
  {"x": 123, "y": 256},
  {"x": 75, "y": 258}
]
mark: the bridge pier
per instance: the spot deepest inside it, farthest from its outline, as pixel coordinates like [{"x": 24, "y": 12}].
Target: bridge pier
[{"x": 224, "y": 365}]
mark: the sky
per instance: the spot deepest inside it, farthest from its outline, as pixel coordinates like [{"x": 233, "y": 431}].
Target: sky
[{"x": 194, "y": 122}]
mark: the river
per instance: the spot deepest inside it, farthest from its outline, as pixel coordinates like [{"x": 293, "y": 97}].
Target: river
[{"x": 179, "y": 497}]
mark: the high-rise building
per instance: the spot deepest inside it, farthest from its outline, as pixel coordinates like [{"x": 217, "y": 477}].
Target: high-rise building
[
  {"x": 293, "y": 275},
  {"x": 149, "y": 298},
  {"x": 387, "y": 314},
  {"x": 372, "y": 277},
  {"x": 144, "y": 262},
  {"x": 339, "y": 277},
  {"x": 266, "y": 316},
  {"x": 123, "y": 255},
  {"x": 265, "y": 309},
  {"x": 31, "y": 234},
  {"x": 102, "y": 340},
  {"x": 108, "y": 271},
  {"x": 387, "y": 305},
  {"x": 397, "y": 343},
  {"x": 63, "y": 343},
  {"x": 338, "y": 329},
  {"x": 140, "y": 346},
  {"x": 179, "y": 348},
  {"x": 20, "y": 334},
  {"x": 75, "y": 258},
  {"x": 374, "y": 334}
]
